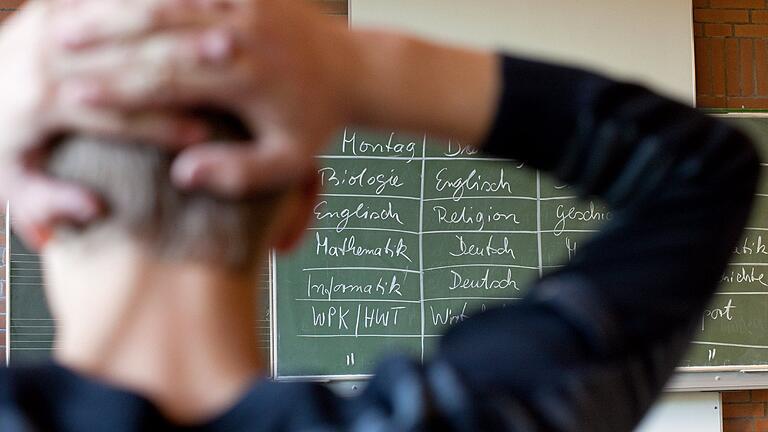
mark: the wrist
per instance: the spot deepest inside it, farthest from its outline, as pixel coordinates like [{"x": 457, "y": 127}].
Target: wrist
[
  {"x": 376, "y": 82},
  {"x": 403, "y": 82},
  {"x": 342, "y": 71}
]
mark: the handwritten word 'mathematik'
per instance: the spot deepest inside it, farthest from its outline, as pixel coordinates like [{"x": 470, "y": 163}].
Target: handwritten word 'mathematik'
[{"x": 348, "y": 246}]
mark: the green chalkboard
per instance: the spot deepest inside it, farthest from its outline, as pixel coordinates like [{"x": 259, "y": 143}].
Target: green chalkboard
[
  {"x": 31, "y": 327},
  {"x": 410, "y": 237}
]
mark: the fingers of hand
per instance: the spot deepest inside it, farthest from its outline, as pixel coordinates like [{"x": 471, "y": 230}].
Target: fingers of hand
[
  {"x": 238, "y": 170},
  {"x": 79, "y": 24},
  {"x": 164, "y": 128},
  {"x": 169, "y": 68}
]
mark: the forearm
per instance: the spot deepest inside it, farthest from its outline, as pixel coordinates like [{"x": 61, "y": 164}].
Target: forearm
[
  {"x": 402, "y": 82},
  {"x": 616, "y": 319}
]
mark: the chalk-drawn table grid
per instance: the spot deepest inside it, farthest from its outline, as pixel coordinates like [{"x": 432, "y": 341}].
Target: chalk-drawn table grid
[{"x": 475, "y": 232}]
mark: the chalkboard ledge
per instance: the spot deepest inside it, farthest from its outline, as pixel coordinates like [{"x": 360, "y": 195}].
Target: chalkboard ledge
[{"x": 719, "y": 379}]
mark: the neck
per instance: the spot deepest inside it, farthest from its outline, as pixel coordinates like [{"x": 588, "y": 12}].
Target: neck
[{"x": 181, "y": 334}]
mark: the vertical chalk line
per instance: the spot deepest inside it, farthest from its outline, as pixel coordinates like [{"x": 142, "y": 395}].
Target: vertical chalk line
[
  {"x": 538, "y": 221},
  {"x": 421, "y": 243}
]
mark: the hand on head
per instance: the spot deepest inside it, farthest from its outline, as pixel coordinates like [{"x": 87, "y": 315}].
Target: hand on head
[
  {"x": 272, "y": 63},
  {"x": 33, "y": 110},
  {"x": 131, "y": 69}
]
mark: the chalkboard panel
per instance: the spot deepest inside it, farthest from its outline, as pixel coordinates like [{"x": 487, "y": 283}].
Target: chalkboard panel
[
  {"x": 410, "y": 237},
  {"x": 32, "y": 329}
]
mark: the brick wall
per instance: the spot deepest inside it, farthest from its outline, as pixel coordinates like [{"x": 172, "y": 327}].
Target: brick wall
[
  {"x": 745, "y": 411},
  {"x": 731, "y": 48}
]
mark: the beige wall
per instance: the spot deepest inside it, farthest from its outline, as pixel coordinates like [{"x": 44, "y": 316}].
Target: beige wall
[{"x": 647, "y": 40}]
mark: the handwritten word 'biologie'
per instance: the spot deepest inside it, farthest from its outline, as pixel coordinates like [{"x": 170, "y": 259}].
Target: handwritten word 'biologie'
[{"x": 330, "y": 176}]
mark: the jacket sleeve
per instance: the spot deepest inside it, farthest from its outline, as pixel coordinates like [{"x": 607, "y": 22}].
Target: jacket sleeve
[{"x": 592, "y": 345}]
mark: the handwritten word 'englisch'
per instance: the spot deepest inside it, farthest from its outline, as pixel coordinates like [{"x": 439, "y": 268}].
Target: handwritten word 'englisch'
[
  {"x": 349, "y": 246},
  {"x": 361, "y": 212},
  {"x": 330, "y": 176},
  {"x": 466, "y": 217},
  {"x": 391, "y": 147},
  {"x": 473, "y": 182},
  {"x": 488, "y": 250}
]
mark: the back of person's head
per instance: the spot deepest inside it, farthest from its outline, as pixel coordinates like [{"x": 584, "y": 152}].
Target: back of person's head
[{"x": 133, "y": 179}]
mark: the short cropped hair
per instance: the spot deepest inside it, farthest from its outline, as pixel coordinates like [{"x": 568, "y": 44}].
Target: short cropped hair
[{"x": 133, "y": 180}]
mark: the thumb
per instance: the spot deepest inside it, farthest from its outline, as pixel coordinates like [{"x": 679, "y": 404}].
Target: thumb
[{"x": 238, "y": 169}]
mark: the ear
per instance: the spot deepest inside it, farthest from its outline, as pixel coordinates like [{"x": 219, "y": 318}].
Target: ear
[{"x": 297, "y": 213}]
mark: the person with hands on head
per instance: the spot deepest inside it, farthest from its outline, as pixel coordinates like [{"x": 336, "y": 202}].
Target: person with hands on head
[{"x": 587, "y": 349}]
